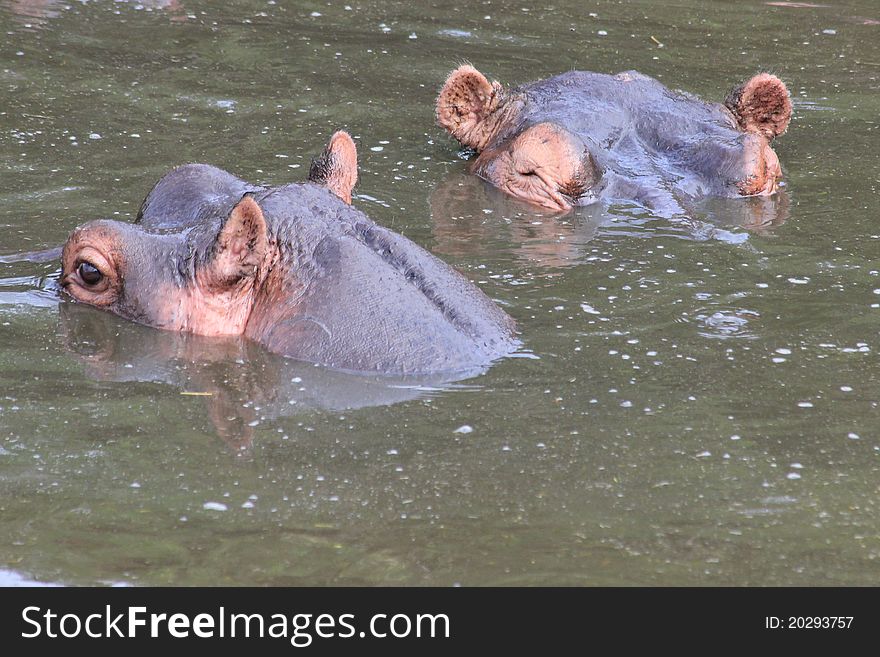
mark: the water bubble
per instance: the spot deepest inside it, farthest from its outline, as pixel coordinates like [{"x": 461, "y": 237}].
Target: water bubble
[{"x": 726, "y": 323}]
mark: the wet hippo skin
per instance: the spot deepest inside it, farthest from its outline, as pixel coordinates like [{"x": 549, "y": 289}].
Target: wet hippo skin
[
  {"x": 295, "y": 268},
  {"x": 580, "y": 136}
]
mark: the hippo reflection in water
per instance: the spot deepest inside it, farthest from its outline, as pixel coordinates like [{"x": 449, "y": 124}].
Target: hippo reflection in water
[
  {"x": 577, "y": 137},
  {"x": 472, "y": 219},
  {"x": 295, "y": 268}
]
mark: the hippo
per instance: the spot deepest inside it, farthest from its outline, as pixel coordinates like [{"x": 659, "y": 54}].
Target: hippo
[
  {"x": 578, "y": 137},
  {"x": 295, "y": 268}
]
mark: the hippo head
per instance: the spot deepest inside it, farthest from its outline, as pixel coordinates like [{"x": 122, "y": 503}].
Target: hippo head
[
  {"x": 553, "y": 141},
  {"x": 544, "y": 163},
  {"x": 192, "y": 281},
  {"x": 186, "y": 270}
]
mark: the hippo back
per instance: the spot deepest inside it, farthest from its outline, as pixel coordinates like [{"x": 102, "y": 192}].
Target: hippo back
[
  {"x": 353, "y": 295},
  {"x": 654, "y": 144}
]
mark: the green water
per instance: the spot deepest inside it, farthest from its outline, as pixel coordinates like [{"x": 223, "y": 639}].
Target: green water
[{"x": 698, "y": 400}]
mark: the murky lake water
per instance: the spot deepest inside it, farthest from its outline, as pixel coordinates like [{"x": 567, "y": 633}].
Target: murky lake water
[{"x": 698, "y": 399}]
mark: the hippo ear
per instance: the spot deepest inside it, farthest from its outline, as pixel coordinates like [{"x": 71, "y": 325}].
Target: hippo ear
[
  {"x": 336, "y": 167},
  {"x": 761, "y": 104},
  {"x": 241, "y": 245},
  {"x": 465, "y": 101}
]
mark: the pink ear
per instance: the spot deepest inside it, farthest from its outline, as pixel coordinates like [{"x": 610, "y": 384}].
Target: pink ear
[
  {"x": 241, "y": 245},
  {"x": 465, "y": 101},
  {"x": 336, "y": 166},
  {"x": 762, "y": 105}
]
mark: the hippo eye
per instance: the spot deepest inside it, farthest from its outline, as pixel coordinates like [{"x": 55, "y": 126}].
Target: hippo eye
[{"x": 89, "y": 274}]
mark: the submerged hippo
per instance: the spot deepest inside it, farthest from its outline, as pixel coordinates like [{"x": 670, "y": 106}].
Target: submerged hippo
[
  {"x": 579, "y": 136},
  {"x": 295, "y": 268}
]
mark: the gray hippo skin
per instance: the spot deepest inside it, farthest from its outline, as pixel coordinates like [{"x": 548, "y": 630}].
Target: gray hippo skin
[
  {"x": 579, "y": 136},
  {"x": 295, "y": 268}
]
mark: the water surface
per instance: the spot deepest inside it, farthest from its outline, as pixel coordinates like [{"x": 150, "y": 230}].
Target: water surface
[{"x": 699, "y": 404}]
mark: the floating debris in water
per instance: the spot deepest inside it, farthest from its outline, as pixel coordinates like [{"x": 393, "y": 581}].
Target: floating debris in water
[
  {"x": 214, "y": 506},
  {"x": 464, "y": 428},
  {"x": 456, "y": 33}
]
